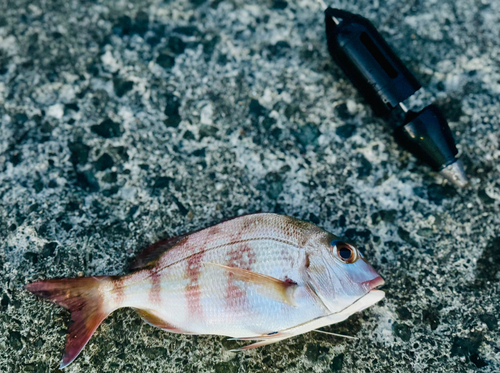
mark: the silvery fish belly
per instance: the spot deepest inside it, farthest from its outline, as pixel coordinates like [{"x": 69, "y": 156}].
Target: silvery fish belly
[{"x": 262, "y": 277}]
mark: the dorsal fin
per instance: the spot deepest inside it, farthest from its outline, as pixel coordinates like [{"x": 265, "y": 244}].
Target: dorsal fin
[{"x": 147, "y": 258}]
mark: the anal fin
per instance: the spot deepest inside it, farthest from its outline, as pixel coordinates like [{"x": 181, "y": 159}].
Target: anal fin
[
  {"x": 157, "y": 321},
  {"x": 271, "y": 287}
]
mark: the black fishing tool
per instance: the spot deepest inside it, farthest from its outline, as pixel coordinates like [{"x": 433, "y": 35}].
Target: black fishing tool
[{"x": 385, "y": 82}]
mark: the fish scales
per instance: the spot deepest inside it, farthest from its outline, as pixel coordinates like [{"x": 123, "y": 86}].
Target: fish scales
[
  {"x": 246, "y": 228},
  {"x": 213, "y": 298},
  {"x": 248, "y": 277}
]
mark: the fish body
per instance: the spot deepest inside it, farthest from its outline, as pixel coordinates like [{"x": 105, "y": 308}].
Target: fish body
[{"x": 263, "y": 277}]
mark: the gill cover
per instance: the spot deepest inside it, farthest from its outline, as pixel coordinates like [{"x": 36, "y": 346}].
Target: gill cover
[{"x": 339, "y": 274}]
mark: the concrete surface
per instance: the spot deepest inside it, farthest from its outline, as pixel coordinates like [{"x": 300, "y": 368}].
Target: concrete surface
[{"x": 123, "y": 122}]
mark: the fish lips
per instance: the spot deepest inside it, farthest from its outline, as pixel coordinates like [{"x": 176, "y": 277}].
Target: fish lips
[
  {"x": 374, "y": 283},
  {"x": 376, "y": 280},
  {"x": 365, "y": 275}
]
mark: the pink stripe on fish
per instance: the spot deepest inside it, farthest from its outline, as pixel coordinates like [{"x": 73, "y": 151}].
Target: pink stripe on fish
[
  {"x": 239, "y": 257},
  {"x": 155, "y": 291},
  {"x": 118, "y": 290},
  {"x": 193, "y": 291}
]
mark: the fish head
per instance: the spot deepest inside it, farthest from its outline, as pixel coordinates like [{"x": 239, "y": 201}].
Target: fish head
[{"x": 338, "y": 272}]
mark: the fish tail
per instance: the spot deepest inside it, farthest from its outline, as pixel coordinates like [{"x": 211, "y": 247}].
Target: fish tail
[{"x": 83, "y": 297}]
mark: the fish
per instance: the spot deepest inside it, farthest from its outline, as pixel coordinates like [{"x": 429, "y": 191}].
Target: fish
[{"x": 260, "y": 277}]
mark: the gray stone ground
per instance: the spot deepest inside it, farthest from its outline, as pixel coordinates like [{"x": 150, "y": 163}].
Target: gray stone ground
[{"x": 125, "y": 122}]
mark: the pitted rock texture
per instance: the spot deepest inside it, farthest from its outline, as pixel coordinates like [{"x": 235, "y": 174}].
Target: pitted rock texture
[{"x": 125, "y": 122}]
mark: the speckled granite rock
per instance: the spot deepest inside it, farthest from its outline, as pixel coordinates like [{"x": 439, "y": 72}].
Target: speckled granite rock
[{"x": 125, "y": 122}]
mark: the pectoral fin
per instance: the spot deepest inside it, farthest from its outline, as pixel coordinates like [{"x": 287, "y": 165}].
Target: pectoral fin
[
  {"x": 257, "y": 344},
  {"x": 271, "y": 287}
]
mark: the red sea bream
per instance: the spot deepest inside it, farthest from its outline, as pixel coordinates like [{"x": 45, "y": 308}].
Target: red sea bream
[{"x": 262, "y": 277}]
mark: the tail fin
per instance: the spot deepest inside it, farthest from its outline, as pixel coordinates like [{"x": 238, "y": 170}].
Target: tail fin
[{"x": 83, "y": 298}]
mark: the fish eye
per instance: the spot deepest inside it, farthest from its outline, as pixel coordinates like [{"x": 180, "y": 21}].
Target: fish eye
[{"x": 344, "y": 252}]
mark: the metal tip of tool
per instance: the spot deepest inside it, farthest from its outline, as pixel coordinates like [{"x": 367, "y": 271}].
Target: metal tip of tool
[
  {"x": 455, "y": 174},
  {"x": 403, "y": 107},
  {"x": 322, "y": 4}
]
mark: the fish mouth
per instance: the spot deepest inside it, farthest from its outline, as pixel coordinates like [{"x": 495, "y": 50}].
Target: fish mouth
[{"x": 372, "y": 284}]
